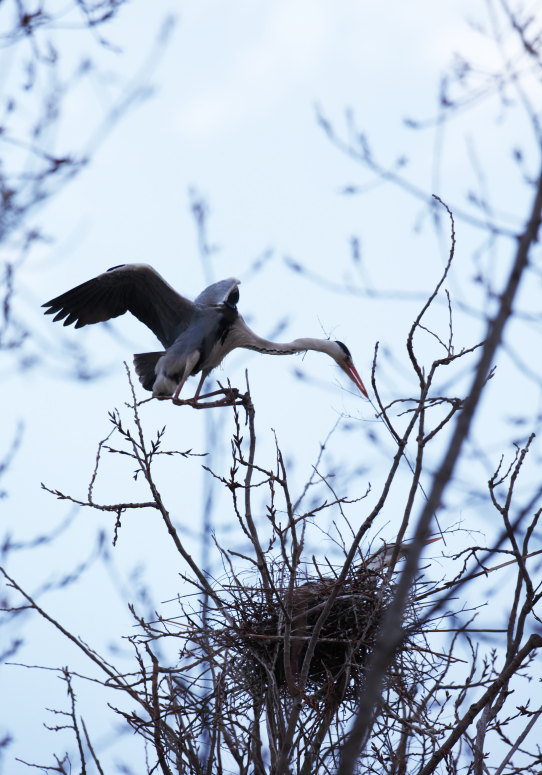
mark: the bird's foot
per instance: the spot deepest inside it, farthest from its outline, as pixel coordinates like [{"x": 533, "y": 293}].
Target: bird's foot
[
  {"x": 181, "y": 401},
  {"x": 231, "y": 397}
]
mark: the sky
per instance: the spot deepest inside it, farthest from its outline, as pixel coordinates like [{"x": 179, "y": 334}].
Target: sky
[{"x": 231, "y": 117}]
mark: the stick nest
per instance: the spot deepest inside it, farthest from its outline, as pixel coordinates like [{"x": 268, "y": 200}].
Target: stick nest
[{"x": 273, "y": 631}]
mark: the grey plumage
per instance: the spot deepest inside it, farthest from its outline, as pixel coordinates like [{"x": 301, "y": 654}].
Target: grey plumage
[
  {"x": 383, "y": 556},
  {"x": 196, "y": 336}
]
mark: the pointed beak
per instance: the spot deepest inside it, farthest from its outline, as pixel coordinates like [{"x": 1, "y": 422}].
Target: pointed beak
[{"x": 350, "y": 369}]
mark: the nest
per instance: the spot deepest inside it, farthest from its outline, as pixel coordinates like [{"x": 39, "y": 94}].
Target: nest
[{"x": 275, "y": 630}]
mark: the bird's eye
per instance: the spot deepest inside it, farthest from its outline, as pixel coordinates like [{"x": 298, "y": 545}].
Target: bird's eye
[{"x": 345, "y": 350}]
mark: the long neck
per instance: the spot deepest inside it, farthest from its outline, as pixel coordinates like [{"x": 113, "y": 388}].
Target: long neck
[{"x": 246, "y": 338}]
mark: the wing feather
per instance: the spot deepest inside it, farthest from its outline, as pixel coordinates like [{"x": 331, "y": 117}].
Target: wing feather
[{"x": 135, "y": 288}]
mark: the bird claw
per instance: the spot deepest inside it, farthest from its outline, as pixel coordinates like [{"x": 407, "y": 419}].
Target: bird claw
[
  {"x": 181, "y": 401},
  {"x": 231, "y": 397}
]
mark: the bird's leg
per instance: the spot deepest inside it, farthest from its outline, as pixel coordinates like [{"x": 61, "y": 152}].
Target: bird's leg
[
  {"x": 200, "y": 385},
  {"x": 175, "y": 396},
  {"x": 189, "y": 365},
  {"x": 192, "y": 401},
  {"x": 231, "y": 397}
]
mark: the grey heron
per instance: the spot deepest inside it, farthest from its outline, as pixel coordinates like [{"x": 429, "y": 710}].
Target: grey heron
[
  {"x": 383, "y": 556},
  {"x": 196, "y": 336}
]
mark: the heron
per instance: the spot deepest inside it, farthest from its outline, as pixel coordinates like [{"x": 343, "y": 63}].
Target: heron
[
  {"x": 384, "y": 554},
  {"x": 196, "y": 335}
]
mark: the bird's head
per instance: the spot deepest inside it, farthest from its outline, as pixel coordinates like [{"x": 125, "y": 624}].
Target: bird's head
[{"x": 341, "y": 355}]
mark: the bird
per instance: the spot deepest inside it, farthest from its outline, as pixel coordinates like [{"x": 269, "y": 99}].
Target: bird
[
  {"x": 195, "y": 335},
  {"x": 383, "y": 556}
]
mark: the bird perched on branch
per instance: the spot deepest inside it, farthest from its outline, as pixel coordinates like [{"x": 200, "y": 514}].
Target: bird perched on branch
[{"x": 196, "y": 336}]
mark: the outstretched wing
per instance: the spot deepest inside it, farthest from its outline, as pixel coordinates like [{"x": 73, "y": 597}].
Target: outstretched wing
[
  {"x": 135, "y": 288},
  {"x": 222, "y": 292}
]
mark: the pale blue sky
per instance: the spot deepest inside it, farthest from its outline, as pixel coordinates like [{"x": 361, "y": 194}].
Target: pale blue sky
[{"x": 234, "y": 116}]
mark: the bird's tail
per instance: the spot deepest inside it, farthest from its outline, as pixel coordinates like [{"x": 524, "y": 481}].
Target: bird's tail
[{"x": 145, "y": 365}]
